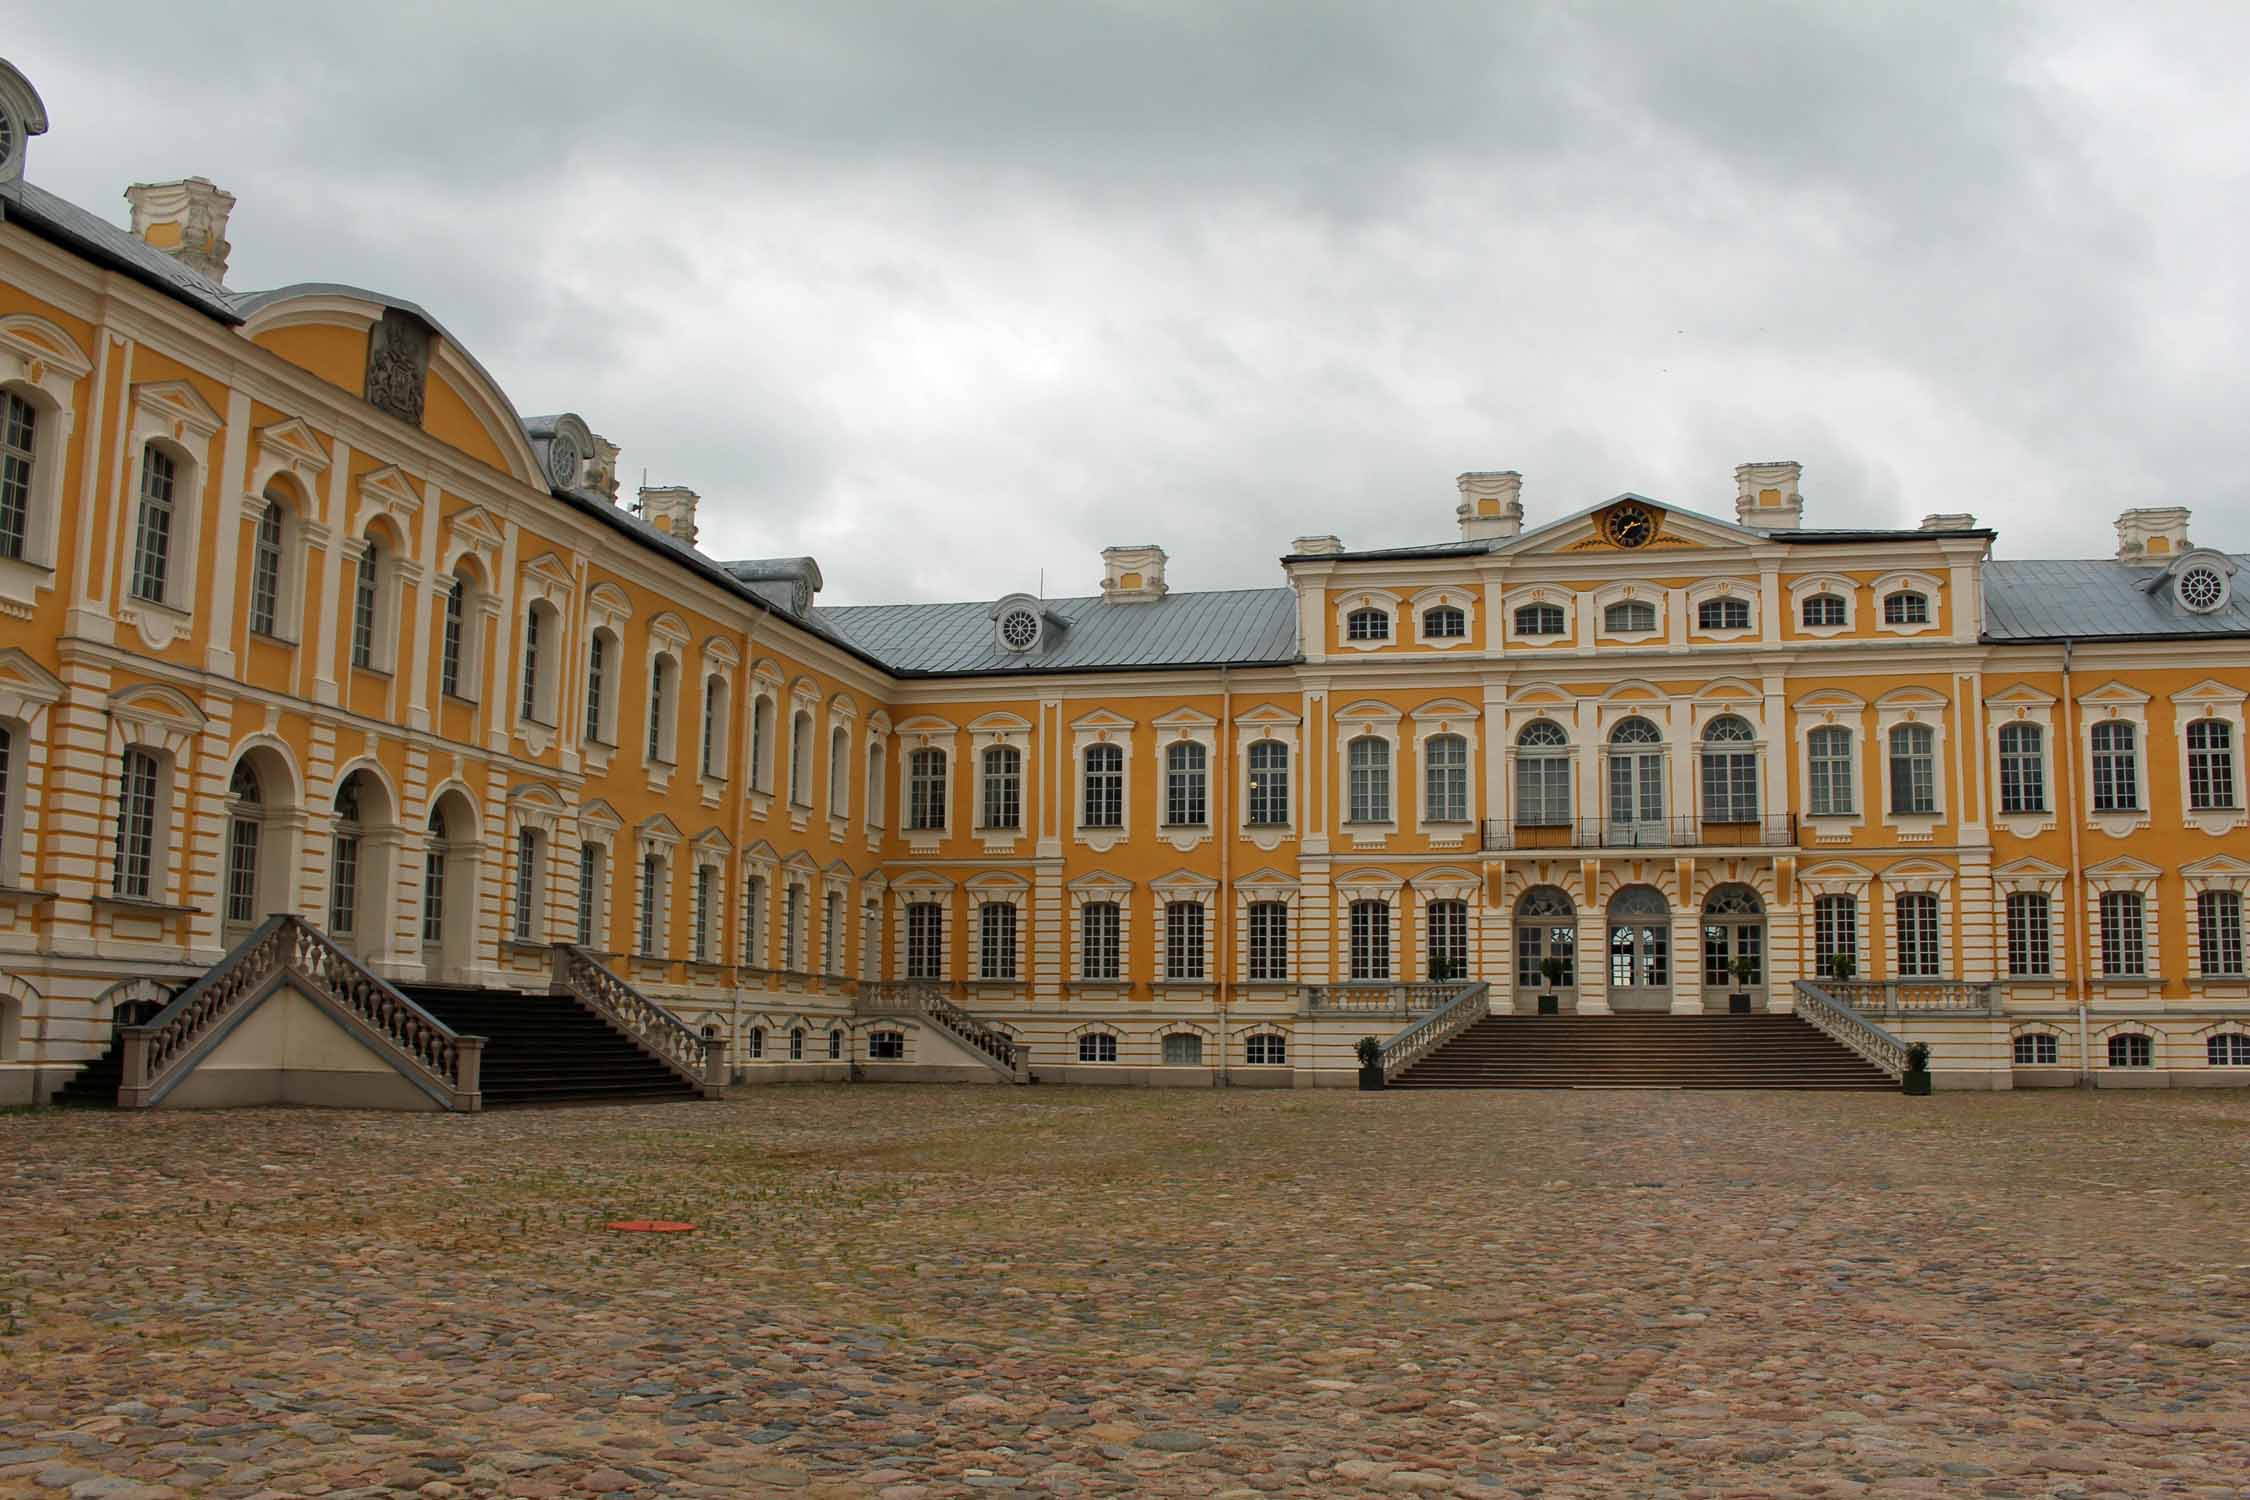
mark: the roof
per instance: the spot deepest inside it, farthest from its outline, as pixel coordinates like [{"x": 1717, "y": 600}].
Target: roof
[
  {"x": 1819, "y": 535},
  {"x": 91, "y": 235},
  {"x": 2052, "y": 599},
  {"x": 1235, "y": 627}
]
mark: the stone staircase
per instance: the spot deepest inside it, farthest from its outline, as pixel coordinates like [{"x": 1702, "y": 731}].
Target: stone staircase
[
  {"x": 1644, "y": 1051},
  {"x": 544, "y": 1049}
]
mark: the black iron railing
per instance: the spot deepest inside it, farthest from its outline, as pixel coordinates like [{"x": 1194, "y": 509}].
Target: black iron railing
[{"x": 1777, "y": 831}]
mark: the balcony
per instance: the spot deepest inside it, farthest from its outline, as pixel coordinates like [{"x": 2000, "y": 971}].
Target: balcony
[{"x": 1777, "y": 831}]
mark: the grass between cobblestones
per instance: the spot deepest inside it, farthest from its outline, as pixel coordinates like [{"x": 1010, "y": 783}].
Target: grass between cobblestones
[{"x": 906, "y": 1292}]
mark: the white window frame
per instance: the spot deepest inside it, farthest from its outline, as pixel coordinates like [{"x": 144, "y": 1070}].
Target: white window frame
[
  {"x": 2216, "y": 702},
  {"x": 1928, "y": 585},
  {"x": 2116, "y": 702},
  {"x": 1447, "y": 597},
  {"x": 44, "y": 365},
  {"x": 1806, "y": 588},
  {"x": 1094, "y": 890},
  {"x": 1349, "y": 602},
  {"x": 1193, "y": 890},
  {"x": 1016, "y": 898},
  {"x": 1101, "y": 727},
  {"x": 1913, "y": 706},
  {"x": 1448, "y": 718}
]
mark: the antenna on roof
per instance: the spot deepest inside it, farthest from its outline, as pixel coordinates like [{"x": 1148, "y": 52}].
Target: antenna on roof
[{"x": 1042, "y": 585}]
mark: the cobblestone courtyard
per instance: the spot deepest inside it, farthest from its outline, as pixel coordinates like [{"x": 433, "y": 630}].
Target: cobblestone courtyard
[{"x": 937, "y": 1292}]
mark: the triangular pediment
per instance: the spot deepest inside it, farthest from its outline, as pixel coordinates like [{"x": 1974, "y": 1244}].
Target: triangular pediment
[
  {"x": 26, "y": 677},
  {"x": 1267, "y": 713},
  {"x": 391, "y": 488},
  {"x": 2124, "y": 865},
  {"x": 1631, "y": 524},
  {"x": 1185, "y": 718},
  {"x": 2028, "y": 869},
  {"x": 180, "y": 402},
  {"x": 1268, "y": 877},
  {"x": 1101, "y": 718},
  {"x": 293, "y": 443},
  {"x": 2209, "y": 691},
  {"x": 2217, "y": 864},
  {"x": 35, "y": 338},
  {"x": 1100, "y": 880}
]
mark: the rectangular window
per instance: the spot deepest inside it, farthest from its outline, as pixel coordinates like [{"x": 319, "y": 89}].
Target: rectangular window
[
  {"x": 531, "y": 628},
  {"x": 363, "y": 605},
  {"x": 433, "y": 891},
  {"x": 1449, "y": 940},
  {"x": 1269, "y": 784},
  {"x": 136, "y": 826},
  {"x": 1105, "y": 787},
  {"x": 996, "y": 940},
  {"x": 1185, "y": 789},
  {"x": 659, "y": 704},
  {"x": 343, "y": 883},
  {"x": 1183, "y": 940},
  {"x": 2210, "y": 764},
  {"x": 1913, "y": 769},
  {"x": 925, "y": 940},
  {"x": 1542, "y": 791},
  {"x": 527, "y": 882},
  {"x": 449, "y": 650},
  {"x": 1097, "y": 940},
  {"x": 1371, "y": 940},
  {"x": 793, "y": 928},
  {"x": 706, "y": 884},
  {"x": 1835, "y": 933},
  {"x": 832, "y": 935},
  {"x": 2030, "y": 955},
  {"x": 1917, "y": 935},
  {"x": 925, "y": 790},
  {"x": 753, "y": 921},
  {"x": 1003, "y": 787},
  {"x": 265, "y": 571},
  {"x": 1370, "y": 780},
  {"x": 1097, "y": 1047},
  {"x": 1730, "y": 786},
  {"x": 886, "y": 1046},
  {"x": 652, "y": 873},
  {"x": 713, "y": 689},
  {"x": 152, "y": 540},
  {"x": 597, "y": 664},
  {"x": 2116, "y": 767},
  {"x": 19, "y": 425},
  {"x": 1829, "y": 763},
  {"x": 1445, "y": 760},
  {"x": 2036, "y": 1049},
  {"x": 589, "y": 876},
  {"x": 2124, "y": 947},
  {"x": 242, "y": 871},
  {"x": 2218, "y": 929},
  {"x": 1269, "y": 942},
  {"x": 1266, "y": 1050},
  {"x": 1183, "y": 1049},
  {"x": 2023, "y": 769}
]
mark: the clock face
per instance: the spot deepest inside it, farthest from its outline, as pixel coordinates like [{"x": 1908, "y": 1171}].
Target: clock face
[{"x": 1631, "y": 526}]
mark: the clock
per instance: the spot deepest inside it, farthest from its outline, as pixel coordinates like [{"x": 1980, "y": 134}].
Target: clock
[{"x": 1630, "y": 526}]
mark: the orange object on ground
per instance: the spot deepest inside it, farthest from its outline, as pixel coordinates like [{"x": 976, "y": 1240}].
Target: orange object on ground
[{"x": 651, "y": 1226}]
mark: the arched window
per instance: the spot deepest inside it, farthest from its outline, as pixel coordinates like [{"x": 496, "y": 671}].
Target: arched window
[
  {"x": 19, "y": 456},
  {"x": 2210, "y": 764},
  {"x": 153, "y": 527},
  {"x": 2116, "y": 767},
  {"x": 1629, "y": 617},
  {"x": 875, "y": 781},
  {"x": 1542, "y": 775},
  {"x": 1546, "y": 939},
  {"x": 663, "y": 712},
  {"x": 1906, "y": 607},
  {"x": 1734, "y": 938},
  {"x": 451, "y": 641},
  {"x": 925, "y": 789},
  {"x": 652, "y": 904},
  {"x": 1828, "y": 764},
  {"x": 2228, "y": 1049},
  {"x": 245, "y": 825},
  {"x": 2131, "y": 1050},
  {"x": 1445, "y": 622},
  {"x": 839, "y": 771},
  {"x": 1835, "y": 936},
  {"x": 757, "y": 1047},
  {"x": 1003, "y": 790},
  {"x": 2023, "y": 769},
  {"x": 268, "y": 563},
  {"x": 1367, "y": 625},
  {"x": 11, "y": 803},
  {"x": 343, "y": 860},
  {"x": 1371, "y": 940},
  {"x": 2034, "y": 1049},
  {"x": 715, "y": 726},
  {"x": 1822, "y": 610},
  {"x": 1730, "y": 771},
  {"x": 1369, "y": 769},
  {"x": 1183, "y": 1049},
  {"x": 761, "y": 742},
  {"x": 1724, "y": 613},
  {"x": 1269, "y": 784},
  {"x": 1266, "y": 1049},
  {"x": 1097, "y": 1047},
  {"x": 796, "y": 1044},
  {"x": 800, "y": 758},
  {"x": 1541, "y": 619},
  {"x": 601, "y": 686},
  {"x": 1186, "y": 785},
  {"x": 835, "y": 1044},
  {"x": 1445, "y": 778},
  {"x": 1104, "y": 797},
  {"x": 1913, "y": 768},
  {"x": 1636, "y": 779}
]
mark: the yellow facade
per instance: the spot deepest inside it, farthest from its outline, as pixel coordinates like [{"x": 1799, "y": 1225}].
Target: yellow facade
[{"x": 251, "y": 425}]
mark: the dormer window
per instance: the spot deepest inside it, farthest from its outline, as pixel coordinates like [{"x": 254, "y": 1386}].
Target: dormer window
[
  {"x": 2200, "y": 589},
  {"x": 1019, "y": 630},
  {"x": 1367, "y": 625},
  {"x": 1020, "y": 625}
]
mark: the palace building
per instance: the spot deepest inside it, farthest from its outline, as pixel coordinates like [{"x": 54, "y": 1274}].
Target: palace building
[{"x": 305, "y": 630}]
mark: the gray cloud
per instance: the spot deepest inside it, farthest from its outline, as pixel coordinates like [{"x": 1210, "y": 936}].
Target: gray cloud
[{"x": 951, "y": 294}]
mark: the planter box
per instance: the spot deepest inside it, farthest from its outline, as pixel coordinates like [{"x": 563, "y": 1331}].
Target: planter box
[
  {"x": 1549, "y": 1006},
  {"x": 1738, "y": 1005},
  {"x": 1370, "y": 1077}
]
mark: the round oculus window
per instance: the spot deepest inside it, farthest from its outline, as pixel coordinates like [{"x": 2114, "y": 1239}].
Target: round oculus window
[
  {"x": 2201, "y": 590},
  {"x": 7, "y": 136},
  {"x": 1019, "y": 630},
  {"x": 562, "y": 461}
]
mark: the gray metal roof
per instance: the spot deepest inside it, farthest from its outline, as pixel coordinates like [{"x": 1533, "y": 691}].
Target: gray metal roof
[
  {"x": 1236, "y": 627},
  {"x": 91, "y": 235},
  {"x": 2047, "y": 599}
]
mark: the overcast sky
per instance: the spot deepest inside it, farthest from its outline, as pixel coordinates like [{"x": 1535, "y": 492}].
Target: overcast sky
[{"x": 949, "y": 294}]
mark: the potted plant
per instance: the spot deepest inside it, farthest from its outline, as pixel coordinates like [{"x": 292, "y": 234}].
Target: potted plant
[
  {"x": 1552, "y": 967},
  {"x": 1917, "y": 1079},
  {"x": 1842, "y": 965},
  {"x": 1370, "y": 1064},
  {"x": 1741, "y": 968},
  {"x": 1445, "y": 970}
]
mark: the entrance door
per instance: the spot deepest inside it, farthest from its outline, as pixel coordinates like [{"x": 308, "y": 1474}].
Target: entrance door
[
  {"x": 1640, "y": 950},
  {"x": 1546, "y": 942},
  {"x": 1734, "y": 948},
  {"x": 1636, "y": 786}
]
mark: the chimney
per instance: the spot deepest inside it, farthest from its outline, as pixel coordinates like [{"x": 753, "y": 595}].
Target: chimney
[
  {"x": 1132, "y": 575},
  {"x": 2152, "y": 533},
  {"x": 187, "y": 220},
  {"x": 1316, "y": 546},
  {"x": 1491, "y": 507},
  {"x": 1765, "y": 495},
  {"x": 670, "y": 508},
  {"x": 1959, "y": 520}
]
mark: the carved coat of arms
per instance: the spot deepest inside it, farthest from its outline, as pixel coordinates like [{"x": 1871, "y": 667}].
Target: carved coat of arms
[{"x": 398, "y": 365}]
